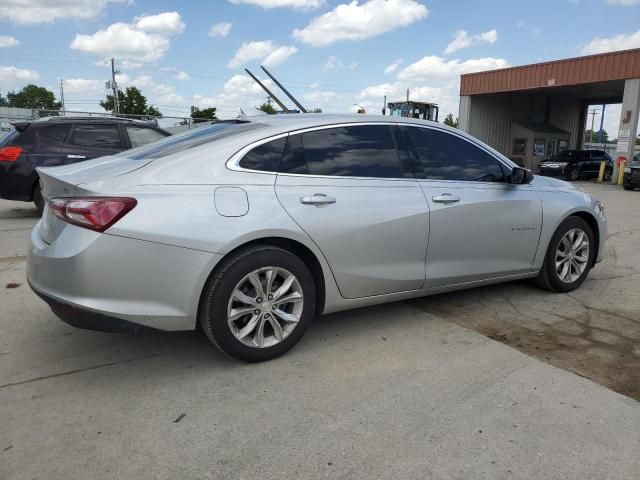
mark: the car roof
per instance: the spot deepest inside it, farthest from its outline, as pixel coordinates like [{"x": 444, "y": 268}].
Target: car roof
[{"x": 100, "y": 119}]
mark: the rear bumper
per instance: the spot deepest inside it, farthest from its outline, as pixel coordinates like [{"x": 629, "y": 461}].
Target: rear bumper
[
  {"x": 16, "y": 183},
  {"x": 630, "y": 180},
  {"x": 110, "y": 283}
]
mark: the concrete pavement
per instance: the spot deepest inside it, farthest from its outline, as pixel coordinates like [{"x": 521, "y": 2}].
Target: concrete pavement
[{"x": 385, "y": 392}]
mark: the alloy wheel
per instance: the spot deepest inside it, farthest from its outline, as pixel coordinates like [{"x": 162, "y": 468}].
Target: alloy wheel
[
  {"x": 572, "y": 255},
  {"x": 265, "y": 307}
]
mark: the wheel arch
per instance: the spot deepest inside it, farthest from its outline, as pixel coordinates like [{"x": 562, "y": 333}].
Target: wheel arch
[
  {"x": 296, "y": 247},
  {"x": 593, "y": 223}
]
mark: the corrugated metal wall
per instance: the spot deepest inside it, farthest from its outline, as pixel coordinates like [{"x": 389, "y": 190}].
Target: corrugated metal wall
[
  {"x": 566, "y": 113},
  {"x": 489, "y": 120}
]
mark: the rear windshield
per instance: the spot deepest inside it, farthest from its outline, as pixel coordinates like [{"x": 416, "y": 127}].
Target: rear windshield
[
  {"x": 7, "y": 137},
  {"x": 191, "y": 139}
]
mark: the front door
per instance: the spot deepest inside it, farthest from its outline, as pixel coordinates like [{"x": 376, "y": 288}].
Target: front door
[
  {"x": 348, "y": 189},
  {"x": 480, "y": 226}
]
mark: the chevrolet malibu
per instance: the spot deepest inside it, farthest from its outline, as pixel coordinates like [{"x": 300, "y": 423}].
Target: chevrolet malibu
[{"x": 250, "y": 228}]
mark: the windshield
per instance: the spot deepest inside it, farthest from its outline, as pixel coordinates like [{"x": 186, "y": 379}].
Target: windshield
[
  {"x": 566, "y": 155},
  {"x": 191, "y": 139}
]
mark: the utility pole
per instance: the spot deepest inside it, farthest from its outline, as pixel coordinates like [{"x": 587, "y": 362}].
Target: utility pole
[
  {"x": 407, "y": 95},
  {"x": 384, "y": 106},
  {"x": 114, "y": 86},
  {"x": 62, "y": 98},
  {"x": 593, "y": 114}
]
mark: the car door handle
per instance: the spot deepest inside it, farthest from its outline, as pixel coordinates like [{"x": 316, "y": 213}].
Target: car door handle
[
  {"x": 317, "y": 199},
  {"x": 76, "y": 156},
  {"x": 445, "y": 198}
]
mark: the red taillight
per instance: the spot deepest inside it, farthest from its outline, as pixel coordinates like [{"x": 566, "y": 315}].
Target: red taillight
[
  {"x": 94, "y": 213},
  {"x": 10, "y": 154}
]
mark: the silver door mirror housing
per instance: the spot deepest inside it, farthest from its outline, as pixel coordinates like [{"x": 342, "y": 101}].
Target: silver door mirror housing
[{"x": 520, "y": 176}]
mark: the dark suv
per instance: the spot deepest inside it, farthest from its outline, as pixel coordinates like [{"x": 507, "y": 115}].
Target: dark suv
[
  {"x": 60, "y": 141},
  {"x": 576, "y": 164}
]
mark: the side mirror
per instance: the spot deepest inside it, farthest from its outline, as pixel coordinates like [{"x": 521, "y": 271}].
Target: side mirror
[{"x": 520, "y": 176}]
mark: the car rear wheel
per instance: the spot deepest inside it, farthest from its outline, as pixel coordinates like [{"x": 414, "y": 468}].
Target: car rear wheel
[
  {"x": 628, "y": 187},
  {"x": 259, "y": 303},
  {"x": 38, "y": 199},
  {"x": 569, "y": 257}
]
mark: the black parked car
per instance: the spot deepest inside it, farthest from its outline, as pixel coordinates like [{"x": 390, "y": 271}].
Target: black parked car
[
  {"x": 60, "y": 141},
  {"x": 577, "y": 164},
  {"x": 631, "y": 178}
]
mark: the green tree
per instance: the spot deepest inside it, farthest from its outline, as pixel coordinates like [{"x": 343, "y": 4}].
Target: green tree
[
  {"x": 34, "y": 97},
  {"x": 203, "y": 115},
  {"x": 3, "y": 101},
  {"x": 592, "y": 137},
  {"x": 267, "y": 108},
  {"x": 449, "y": 120},
  {"x": 132, "y": 102},
  {"x": 638, "y": 140},
  {"x": 316, "y": 110}
]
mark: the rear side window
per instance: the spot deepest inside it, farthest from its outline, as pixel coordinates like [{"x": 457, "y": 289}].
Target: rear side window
[
  {"x": 353, "y": 151},
  {"x": 443, "y": 156},
  {"x": 265, "y": 157},
  {"x": 139, "y": 136},
  {"x": 8, "y": 137},
  {"x": 54, "y": 132},
  {"x": 97, "y": 135}
]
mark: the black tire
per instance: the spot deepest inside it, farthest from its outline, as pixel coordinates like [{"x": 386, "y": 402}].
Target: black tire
[
  {"x": 548, "y": 277},
  {"x": 607, "y": 175},
  {"x": 38, "y": 200},
  {"x": 573, "y": 174},
  {"x": 628, "y": 187},
  {"x": 213, "y": 310}
]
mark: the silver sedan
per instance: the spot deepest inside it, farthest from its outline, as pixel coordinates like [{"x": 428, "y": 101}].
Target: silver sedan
[{"x": 250, "y": 228}]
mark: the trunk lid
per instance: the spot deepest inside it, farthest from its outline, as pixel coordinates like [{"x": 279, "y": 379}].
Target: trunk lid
[{"x": 64, "y": 181}]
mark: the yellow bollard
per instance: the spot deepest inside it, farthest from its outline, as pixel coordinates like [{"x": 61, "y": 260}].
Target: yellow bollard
[
  {"x": 621, "y": 172},
  {"x": 603, "y": 165}
]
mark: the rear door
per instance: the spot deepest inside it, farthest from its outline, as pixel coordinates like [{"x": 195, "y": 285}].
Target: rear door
[
  {"x": 354, "y": 193},
  {"x": 480, "y": 226},
  {"x": 92, "y": 140}
]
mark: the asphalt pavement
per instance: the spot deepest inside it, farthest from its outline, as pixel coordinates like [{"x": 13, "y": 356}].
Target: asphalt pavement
[{"x": 387, "y": 392}]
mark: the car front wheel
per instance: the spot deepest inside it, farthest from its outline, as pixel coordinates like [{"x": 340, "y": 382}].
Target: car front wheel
[
  {"x": 569, "y": 257},
  {"x": 259, "y": 303}
]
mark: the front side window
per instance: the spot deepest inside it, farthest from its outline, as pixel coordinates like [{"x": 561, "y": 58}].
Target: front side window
[
  {"x": 443, "y": 156},
  {"x": 352, "y": 151},
  {"x": 97, "y": 135},
  {"x": 265, "y": 157},
  {"x": 139, "y": 136}
]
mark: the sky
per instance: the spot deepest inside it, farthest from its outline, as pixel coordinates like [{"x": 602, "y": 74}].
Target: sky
[{"x": 331, "y": 54}]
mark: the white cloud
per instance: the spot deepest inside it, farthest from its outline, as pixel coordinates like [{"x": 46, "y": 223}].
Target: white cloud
[
  {"x": 239, "y": 92},
  {"x": 624, "y": 3},
  {"x": 334, "y": 64},
  {"x": 83, "y": 85},
  {"x": 296, "y": 4},
  {"x": 462, "y": 39},
  {"x": 431, "y": 66},
  {"x": 270, "y": 53},
  {"x": 182, "y": 76},
  {"x": 357, "y": 21},
  {"x": 31, "y": 12},
  {"x": 393, "y": 66},
  {"x": 318, "y": 98},
  {"x": 135, "y": 43},
  {"x": 221, "y": 29},
  {"x": 623, "y": 41},
  {"x": 8, "y": 41},
  {"x": 166, "y": 23},
  {"x": 12, "y": 75}
]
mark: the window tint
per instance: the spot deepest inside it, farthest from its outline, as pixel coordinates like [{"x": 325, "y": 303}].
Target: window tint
[
  {"x": 54, "y": 132},
  {"x": 355, "y": 151},
  {"x": 193, "y": 138},
  {"x": 9, "y": 137},
  {"x": 265, "y": 157},
  {"x": 98, "y": 135},
  {"x": 139, "y": 136},
  {"x": 443, "y": 156}
]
